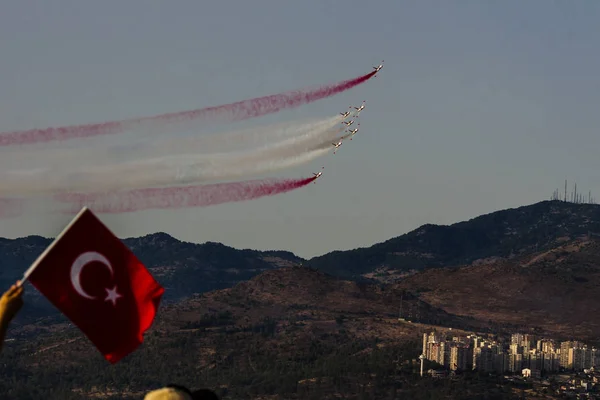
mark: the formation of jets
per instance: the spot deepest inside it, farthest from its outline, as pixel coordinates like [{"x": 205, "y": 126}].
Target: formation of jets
[{"x": 350, "y": 132}]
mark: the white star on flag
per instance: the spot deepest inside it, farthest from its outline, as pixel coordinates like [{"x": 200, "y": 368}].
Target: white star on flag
[{"x": 112, "y": 295}]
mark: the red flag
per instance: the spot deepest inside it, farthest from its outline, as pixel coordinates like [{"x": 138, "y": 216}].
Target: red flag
[{"x": 99, "y": 284}]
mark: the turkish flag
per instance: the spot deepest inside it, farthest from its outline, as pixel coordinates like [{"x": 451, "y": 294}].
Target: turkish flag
[{"x": 99, "y": 284}]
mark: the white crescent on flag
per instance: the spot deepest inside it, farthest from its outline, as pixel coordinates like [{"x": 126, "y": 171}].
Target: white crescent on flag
[{"x": 81, "y": 261}]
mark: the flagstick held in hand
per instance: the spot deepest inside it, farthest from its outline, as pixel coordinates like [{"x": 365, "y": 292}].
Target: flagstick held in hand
[{"x": 99, "y": 284}]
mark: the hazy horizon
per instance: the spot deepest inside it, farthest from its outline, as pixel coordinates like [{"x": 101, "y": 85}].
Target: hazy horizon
[{"x": 480, "y": 106}]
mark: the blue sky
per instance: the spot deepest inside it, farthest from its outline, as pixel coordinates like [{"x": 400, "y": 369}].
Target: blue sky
[{"x": 481, "y": 105}]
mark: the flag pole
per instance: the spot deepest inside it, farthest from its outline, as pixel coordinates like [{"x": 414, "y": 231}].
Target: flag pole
[{"x": 41, "y": 256}]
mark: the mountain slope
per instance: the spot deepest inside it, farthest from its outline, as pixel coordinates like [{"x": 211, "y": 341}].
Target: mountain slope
[
  {"x": 555, "y": 290},
  {"x": 187, "y": 268},
  {"x": 272, "y": 335},
  {"x": 503, "y": 233},
  {"x": 295, "y": 332}
]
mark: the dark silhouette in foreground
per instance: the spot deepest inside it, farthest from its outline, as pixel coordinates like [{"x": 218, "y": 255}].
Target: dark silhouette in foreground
[{"x": 178, "y": 392}]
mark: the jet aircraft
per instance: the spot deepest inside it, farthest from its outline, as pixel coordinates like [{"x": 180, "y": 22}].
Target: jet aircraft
[{"x": 337, "y": 146}]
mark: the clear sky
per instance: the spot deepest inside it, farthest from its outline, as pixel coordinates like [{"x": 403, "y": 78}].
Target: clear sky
[{"x": 481, "y": 106}]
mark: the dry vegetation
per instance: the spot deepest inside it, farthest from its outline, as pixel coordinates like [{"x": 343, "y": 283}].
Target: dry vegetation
[{"x": 555, "y": 290}]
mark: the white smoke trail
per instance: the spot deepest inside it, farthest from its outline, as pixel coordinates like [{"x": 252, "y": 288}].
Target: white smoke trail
[
  {"x": 202, "y": 168},
  {"x": 172, "y": 169},
  {"x": 289, "y": 157},
  {"x": 101, "y": 151},
  {"x": 238, "y": 140}
]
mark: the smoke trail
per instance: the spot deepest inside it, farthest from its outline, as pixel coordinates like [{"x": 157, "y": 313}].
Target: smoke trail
[
  {"x": 264, "y": 137},
  {"x": 174, "y": 169},
  {"x": 183, "y": 197},
  {"x": 283, "y": 155},
  {"x": 195, "y": 169},
  {"x": 55, "y": 158},
  {"x": 231, "y": 112}
]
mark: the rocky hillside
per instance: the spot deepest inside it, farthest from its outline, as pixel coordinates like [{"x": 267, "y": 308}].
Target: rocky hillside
[{"x": 556, "y": 291}]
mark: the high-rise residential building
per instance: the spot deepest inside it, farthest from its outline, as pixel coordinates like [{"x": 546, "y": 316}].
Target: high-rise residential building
[
  {"x": 445, "y": 353},
  {"x": 550, "y": 362},
  {"x": 483, "y": 359},
  {"x": 528, "y": 343},
  {"x": 516, "y": 349},
  {"x": 469, "y": 355},
  {"x": 533, "y": 360},
  {"x": 501, "y": 361},
  {"x": 458, "y": 357},
  {"x": 564, "y": 353},
  {"x": 576, "y": 358},
  {"x": 427, "y": 340},
  {"x": 588, "y": 358},
  {"x": 547, "y": 346},
  {"x": 517, "y": 338},
  {"x": 569, "y": 358},
  {"x": 435, "y": 352},
  {"x": 515, "y": 362}
]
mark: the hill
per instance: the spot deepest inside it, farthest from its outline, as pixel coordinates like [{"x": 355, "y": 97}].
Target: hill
[
  {"x": 182, "y": 268},
  {"x": 286, "y": 333},
  {"x": 254, "y": 324},
  {"x": 555, "y": 290},
  {"x": 186, "y": 268},
  {"x": 507, "y": 233}
]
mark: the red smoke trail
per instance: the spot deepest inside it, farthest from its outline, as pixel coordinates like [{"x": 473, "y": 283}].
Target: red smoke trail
[
  {"x": 232, "y": 112},
  {"x": 181, "y": 197}
]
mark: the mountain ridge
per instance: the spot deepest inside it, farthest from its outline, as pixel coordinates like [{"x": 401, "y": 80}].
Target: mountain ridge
[
  {"x": 188, "y": 268},
  {"x": 504, "y": 233}
]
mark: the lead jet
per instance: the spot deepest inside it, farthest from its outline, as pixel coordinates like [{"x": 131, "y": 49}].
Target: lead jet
[
  {"x": 378, "y": 68},
  {"x": 359, "y": 109}
]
